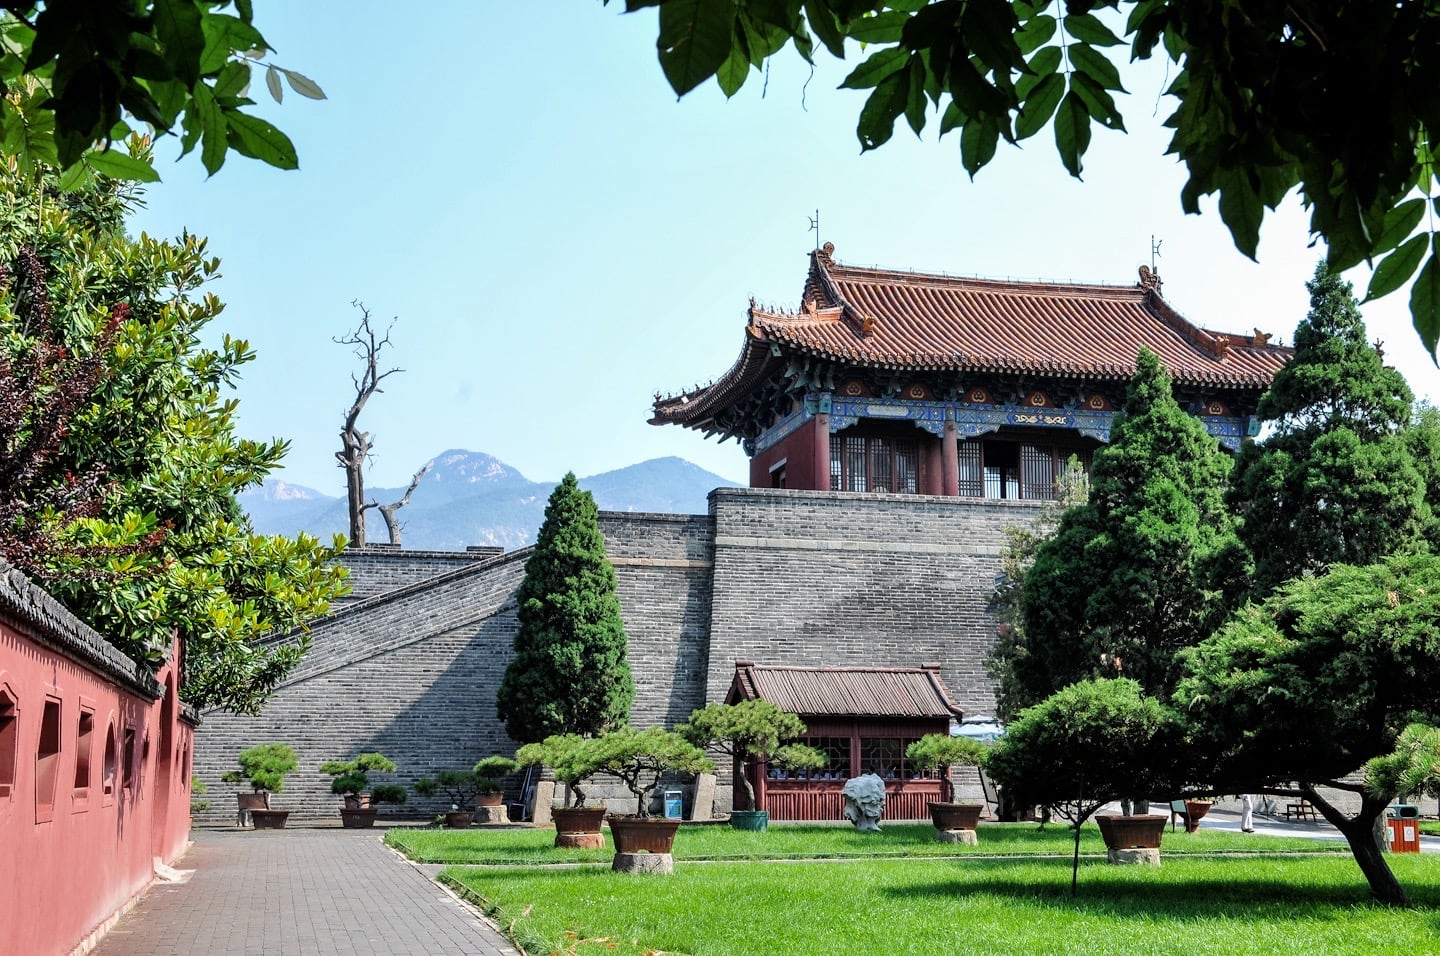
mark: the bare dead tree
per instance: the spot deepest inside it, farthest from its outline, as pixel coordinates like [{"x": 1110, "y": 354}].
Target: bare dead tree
[
  {"x": 388, "y": 511},
  {"x": 355, "y": 444}
]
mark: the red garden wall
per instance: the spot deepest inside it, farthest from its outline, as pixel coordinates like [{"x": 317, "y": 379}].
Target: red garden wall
[{"x": 95, "y": 759}]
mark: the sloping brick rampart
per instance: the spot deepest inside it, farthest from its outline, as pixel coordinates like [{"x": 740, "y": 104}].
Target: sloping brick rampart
[{"x": 411, "y": 665}]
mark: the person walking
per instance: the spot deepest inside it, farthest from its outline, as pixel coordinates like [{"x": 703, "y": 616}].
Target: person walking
[{"x": 1247, "y": 813}]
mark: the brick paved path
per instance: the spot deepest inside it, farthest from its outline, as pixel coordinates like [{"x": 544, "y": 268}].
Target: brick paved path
[{"x": 297, "y": 892}]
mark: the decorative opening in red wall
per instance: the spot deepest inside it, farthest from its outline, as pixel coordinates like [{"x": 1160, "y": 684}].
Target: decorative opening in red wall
[
  {"x": 127, "y": 760},
  {"x": 9, "y": 733},
  {"x": 107, "y": 769},
  {"x": 84, "y": 744},
  {"x": 47, "y": 761}
]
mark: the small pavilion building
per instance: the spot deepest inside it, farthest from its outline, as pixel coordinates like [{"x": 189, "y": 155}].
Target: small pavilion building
[
  {"x": 901, "y": 382},
  {"x": 862, "y": 719}
]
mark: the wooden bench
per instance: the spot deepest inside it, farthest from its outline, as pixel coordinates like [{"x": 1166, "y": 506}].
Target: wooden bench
[{"x": 1303, "y": 810}]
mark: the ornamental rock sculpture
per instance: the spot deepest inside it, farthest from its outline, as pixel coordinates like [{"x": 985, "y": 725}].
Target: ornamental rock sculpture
[{"x": 864, "y": 801}]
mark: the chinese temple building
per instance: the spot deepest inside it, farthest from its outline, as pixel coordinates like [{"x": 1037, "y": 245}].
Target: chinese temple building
[{"x": 890, "y": 381}]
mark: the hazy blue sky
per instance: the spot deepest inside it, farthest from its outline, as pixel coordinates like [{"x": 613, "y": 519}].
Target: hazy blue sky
[{"x": 560, "y": 238}]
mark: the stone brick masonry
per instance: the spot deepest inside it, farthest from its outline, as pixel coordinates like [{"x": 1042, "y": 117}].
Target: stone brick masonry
[{"x": 411, "y": 664}]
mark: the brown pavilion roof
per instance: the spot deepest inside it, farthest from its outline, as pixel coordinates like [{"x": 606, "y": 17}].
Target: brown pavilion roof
[
  {"x": 845, "y": 691},
  {"x": 887, "y": 319}
]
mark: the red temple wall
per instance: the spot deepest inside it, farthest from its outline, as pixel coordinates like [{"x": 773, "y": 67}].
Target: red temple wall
[
  {"x": 797, "y": 451},
  {"x": 76, "y": 860}
]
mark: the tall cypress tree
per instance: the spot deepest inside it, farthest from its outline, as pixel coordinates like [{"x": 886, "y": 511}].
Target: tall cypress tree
[
  {"x": 570, "y": 673},
  {"x": 1335, "y": 481},
  {"x": 1143, "y": 568}
]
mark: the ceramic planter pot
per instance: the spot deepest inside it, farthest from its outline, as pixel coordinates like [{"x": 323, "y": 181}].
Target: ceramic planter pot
[
  {"x": 1194, "y": 810},
  {"x": 956, "y": 816},
  {"x": 750, "y": 819},
  {"x": 358, "y": 818},
  {"x": 578, "y": 819},
  {"x": 269, "y": 819},
  {"x": 643, "y": 834},
  {"x": 458, "y": 819},
  {"x": 489, "y": 799},
  {"x": 1125, "y": 833}
]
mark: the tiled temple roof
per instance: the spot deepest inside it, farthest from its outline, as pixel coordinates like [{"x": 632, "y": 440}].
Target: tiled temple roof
[
  {"x": 886, "y": 319},
  {"x": 845, "y": 691}
]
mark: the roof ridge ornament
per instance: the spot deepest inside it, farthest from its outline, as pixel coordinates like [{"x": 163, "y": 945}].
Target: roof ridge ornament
[{"x": 1149, "y": 279}]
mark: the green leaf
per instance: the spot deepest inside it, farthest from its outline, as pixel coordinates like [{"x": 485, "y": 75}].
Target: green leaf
[
  {"x": 695, "y": 39},
  {"x": 732, "y": 73},
  {"x": 989, "y": 31},
  {"x": 1396, "y": 268},
  {"x": 272, "y": 83},
  {"x": 1072, "y": 132},
  {"x": 118, "y": 165},
  {"x": 1087, "y": 28},
  {"x": 1399, "y": 223},
  {"x": 303, "y": 85},
  {"x": 213, "y": 135},
  {"x": 952, "y": 118},
  {"x": 823, "y": 22},
  {"x": 1242, "y": 211},
  {"x": 882, "y": 108},
  {"x": 253, "y": 137},
  {"x": 881, "y": 64},
  {"x": 1039, "y": 106},
  {"x": 883, "y": 27},
  {"x": 1036, "y": 33},
  {"x": 1100, "y": 103},
  {"x": 225, "y": 36},
  {"x": 232, "y": 81},
  {"x": 977, "y": 145},
  {"x": 916, "y": 105},
  {"x": 1425, "y": 303},
  {"x": 1094, "y": 64},
  {"x": 181, "y": 34}
]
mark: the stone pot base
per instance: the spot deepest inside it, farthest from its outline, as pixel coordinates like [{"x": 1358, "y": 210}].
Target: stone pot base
[
  {"x": 967, "y": 837},
  {"x": 580, "y": 841},
  {"x": 1145, "y": 856},
  {"x": 643, "y": 863},
  {"x": 492, "y": 815}
]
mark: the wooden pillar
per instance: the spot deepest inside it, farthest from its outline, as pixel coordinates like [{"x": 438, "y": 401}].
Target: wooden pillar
[
  {"x": 822, "y": 451},
  {"x": 950, "y": 456},
  {"x": 934, "y": 468}
]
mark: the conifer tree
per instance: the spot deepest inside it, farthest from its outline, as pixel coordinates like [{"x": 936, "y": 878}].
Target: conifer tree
[
  {"x": 1335, "y": 482},
  {"x": 1141, "y": 569},
  {"x": 570, "y": 673}
]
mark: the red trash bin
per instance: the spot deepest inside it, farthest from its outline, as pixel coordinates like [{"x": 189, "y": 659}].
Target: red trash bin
[{"x": 1404, "y": 834}]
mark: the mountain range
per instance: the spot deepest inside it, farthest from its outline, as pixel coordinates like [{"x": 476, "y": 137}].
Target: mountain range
[{"x": 471, "y": 498}]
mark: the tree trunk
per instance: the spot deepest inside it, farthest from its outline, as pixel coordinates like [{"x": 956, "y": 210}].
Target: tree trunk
[{"x": 1359, "y": 832}]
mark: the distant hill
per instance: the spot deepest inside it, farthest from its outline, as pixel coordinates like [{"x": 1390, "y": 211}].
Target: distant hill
[{"x": 469, "y": 498}]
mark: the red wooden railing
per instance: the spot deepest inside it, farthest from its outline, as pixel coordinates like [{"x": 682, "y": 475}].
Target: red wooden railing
[{"x": 821, "y": 800}]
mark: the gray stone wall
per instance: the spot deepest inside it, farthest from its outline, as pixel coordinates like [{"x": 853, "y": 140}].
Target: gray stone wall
[
  {"x": 411, "y": 665},
  {"x": 412, "y": 674},
  {"x": 844, "y": 579}
]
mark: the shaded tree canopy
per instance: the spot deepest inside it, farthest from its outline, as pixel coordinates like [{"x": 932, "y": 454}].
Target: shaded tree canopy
[
  {"x": 569, "y": 673},
  {"x": 1304, "y": 690},
  {"x": 79, "y": 76},
  {"x": 1336, "y": 481},
  {"x": 135, "y": 417},
  {"x": 1269, "y": 98},
  {"x": 1139, "y": 569}
]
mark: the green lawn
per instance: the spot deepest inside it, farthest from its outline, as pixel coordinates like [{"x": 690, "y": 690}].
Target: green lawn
[
  {"x": 1188, "y": 905},
  {"x": 830, "y": 889},
  {"x": 907, "y": 840}
]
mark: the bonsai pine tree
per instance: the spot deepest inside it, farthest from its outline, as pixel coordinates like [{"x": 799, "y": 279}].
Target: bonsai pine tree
[
  {"x": 639, "y": 758},
  {"x": 755, "y": 728},
  {"x": 1336, "y": 481},
  {"x": 352, "y": 778},
  {"x": 940, "y": 751},
  {"x": 490, "y": 770},
  {"x": 264, "y": 767},
  {"x": 569, "y": 673},
  {"x": 571, "y": 757}
]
